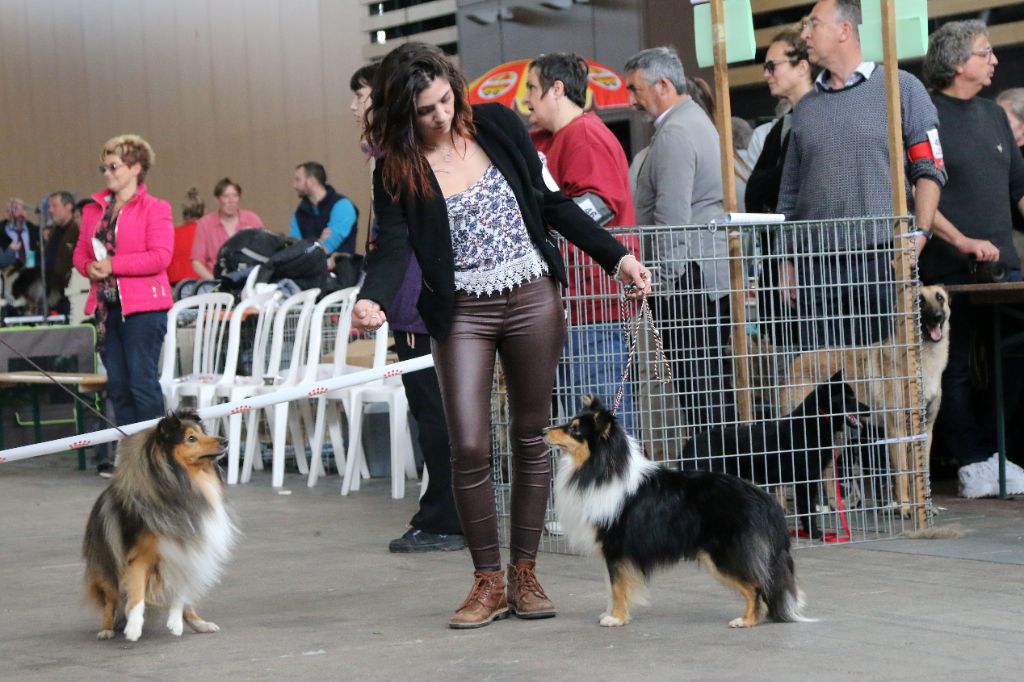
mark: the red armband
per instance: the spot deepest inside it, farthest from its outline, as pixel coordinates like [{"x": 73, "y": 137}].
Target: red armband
[{"x": 929, "y": 149}]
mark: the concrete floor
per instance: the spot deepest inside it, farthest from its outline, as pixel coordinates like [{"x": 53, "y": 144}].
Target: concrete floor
[{"x": 312, "y": 593}]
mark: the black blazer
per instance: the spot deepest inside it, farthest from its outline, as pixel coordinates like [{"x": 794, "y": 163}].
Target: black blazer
[
  {"x": 762, "y": 193},
  {"x": 422, "y": 223}
]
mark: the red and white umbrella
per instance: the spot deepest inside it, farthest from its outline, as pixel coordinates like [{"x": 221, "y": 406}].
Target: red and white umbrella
[{"x": 506, "y": 84}]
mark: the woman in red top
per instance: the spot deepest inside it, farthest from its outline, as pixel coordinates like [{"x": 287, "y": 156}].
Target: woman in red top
[{"x": 181, "y": 262}]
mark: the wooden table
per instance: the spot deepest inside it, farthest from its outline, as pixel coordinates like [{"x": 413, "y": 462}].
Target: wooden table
[
  {"x": 79, "y": 383},
  {"x": 1006, "y": 299}
]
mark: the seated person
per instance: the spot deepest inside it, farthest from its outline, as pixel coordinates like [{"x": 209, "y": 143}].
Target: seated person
[
  {"x": 213, "y": 229},
  {"x": 184, "y": 236}
]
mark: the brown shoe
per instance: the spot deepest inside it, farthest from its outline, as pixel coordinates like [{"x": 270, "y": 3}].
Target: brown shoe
[
  {"x": 526, "y": 597},
  {"x": 485, "y": 603}
]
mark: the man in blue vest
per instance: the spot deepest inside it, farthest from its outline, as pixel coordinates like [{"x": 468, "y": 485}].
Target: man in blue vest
[{"x": 323, "y": 214}]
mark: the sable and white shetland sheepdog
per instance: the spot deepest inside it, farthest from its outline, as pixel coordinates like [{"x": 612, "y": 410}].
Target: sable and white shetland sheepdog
[
  {"x": 160, "y": 533},
  {"x": 639, "y": 517}
]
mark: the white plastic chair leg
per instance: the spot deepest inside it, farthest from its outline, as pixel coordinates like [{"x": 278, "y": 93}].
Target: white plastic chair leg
[
  {"x": 337, "y": 441},
  {"x": 423, "y": 482},
  {"x": 234, "y": 446},
  {"x": 279, "y": 429},
  {"x": 355, "y": 452},
  {"x": 251, "y": 446},
  {"x": 316, "y": 445},
  {"x": 298, "y": 442}
]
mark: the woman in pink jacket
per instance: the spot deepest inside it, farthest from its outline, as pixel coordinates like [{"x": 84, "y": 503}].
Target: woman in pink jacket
[{"x": 124, "y": 247}]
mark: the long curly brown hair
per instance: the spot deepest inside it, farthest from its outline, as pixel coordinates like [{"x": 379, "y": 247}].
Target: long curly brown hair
[{"x": 405, "y": 72}]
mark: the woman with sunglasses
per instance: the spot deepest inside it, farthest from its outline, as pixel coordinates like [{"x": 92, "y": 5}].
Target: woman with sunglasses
[
  {"x": 790, "y": 75},
  {"x": 124, "y": 247},
  {"x": 463, "y": 188}
]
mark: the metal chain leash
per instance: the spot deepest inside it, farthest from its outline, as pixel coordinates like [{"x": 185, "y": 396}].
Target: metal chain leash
[{"x": 632, "y": 317}]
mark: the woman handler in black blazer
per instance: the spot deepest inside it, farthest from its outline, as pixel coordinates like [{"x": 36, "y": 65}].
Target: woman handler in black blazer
[{"x": 463, "y": 187}]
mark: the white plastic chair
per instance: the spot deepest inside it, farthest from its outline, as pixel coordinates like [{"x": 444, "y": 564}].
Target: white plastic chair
[
  {"x": 287, "y": 347},
  {"x": 332, "y": 315},
  {"x": 211, "y": 312},
  {"x": 392, "y": 392},
  {"x": 203, "y": 387},
  {"x": 230, "y": 385}
]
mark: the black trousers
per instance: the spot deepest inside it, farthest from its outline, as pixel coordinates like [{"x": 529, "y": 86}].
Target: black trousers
[
  {"x": 966, "y": 425},
  {"x": 437, "y": 506}
]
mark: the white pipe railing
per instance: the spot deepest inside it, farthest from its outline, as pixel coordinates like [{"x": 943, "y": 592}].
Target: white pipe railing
[{"x": 302, "y": 391}]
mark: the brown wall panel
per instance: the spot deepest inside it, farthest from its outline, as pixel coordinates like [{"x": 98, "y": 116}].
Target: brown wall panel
[{"x": 244, "y": 88}]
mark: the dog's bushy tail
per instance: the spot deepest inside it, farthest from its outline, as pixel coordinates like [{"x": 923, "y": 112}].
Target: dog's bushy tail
[{"x": 784, "y": 598}]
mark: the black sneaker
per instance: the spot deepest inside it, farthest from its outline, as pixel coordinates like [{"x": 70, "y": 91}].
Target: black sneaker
[
  {"x": 105, "y": 470},
  {"x": 416, "y": 540}
]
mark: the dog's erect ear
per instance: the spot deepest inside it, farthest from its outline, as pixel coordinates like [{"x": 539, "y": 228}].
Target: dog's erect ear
[
  {"x": 169, "y": 428},
  {"x": 836, "y": 378},
  {"x": 592, "y": 403}
]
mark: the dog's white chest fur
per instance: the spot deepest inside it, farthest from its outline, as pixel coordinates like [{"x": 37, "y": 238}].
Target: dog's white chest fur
[
  {"x": 189, "y": 570},
  {"x": 581, "y": 510}
]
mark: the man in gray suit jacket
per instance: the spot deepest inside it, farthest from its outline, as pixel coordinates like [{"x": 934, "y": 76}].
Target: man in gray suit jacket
[{"x": 678, "y": 181}]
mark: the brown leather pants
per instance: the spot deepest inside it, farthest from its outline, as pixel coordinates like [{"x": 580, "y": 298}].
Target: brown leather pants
[{"x": 525, "y": 327}]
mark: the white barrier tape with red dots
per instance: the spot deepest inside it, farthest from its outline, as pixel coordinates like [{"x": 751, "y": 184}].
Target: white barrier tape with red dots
[{"x": 302, "y": 391}]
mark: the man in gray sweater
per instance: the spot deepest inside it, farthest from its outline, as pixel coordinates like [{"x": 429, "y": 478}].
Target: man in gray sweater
[
  {"x": 838, "y": 167},
  {"x": 678, "y": 181}
]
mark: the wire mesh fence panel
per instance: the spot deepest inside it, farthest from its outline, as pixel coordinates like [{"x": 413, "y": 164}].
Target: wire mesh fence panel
[{"x": 793, "y": 365}]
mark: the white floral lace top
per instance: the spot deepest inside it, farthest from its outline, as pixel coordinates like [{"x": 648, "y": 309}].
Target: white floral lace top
[{"x": 493, "y": 251}]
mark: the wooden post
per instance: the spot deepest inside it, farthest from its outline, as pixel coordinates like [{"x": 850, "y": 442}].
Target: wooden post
[
  {"x": 904, "y": 266},
  {"x": 737, "y": 279}
]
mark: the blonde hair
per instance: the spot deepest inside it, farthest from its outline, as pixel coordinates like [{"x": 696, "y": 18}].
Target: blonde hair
[{"x": 131, "y": 149}]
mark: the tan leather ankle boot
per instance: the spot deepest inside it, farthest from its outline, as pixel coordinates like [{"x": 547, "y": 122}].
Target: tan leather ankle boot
[
  {"x": 526, "y": 597},
  {"x": 485, "y": 603}
]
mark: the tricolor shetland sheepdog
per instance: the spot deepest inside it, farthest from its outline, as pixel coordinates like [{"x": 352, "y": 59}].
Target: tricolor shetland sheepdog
[
  {"x": 160, "y": 533},
  {"x": 640, "y": 517}
]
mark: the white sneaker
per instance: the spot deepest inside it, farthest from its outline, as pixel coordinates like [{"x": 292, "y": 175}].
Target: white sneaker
[
  {"x": 980, "y": 479},
  {"x": 1014, "y": 476}
]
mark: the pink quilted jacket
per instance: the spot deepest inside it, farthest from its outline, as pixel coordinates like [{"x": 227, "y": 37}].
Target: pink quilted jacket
[{"x": 143, "y": 249}]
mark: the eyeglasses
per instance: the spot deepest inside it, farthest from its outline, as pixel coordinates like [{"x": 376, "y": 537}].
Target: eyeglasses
[
  {"x": 985, "y": 54},
  {"x": 813, "y": 23},
  {"x": 111, "y": 167},
  {"x": 770, "y": 66}
]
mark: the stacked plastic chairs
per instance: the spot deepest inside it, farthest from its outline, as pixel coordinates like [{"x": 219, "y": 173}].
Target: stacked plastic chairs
[
  {"x": 202, "y": 359},
  {"x": 281, "y": 367},
  {"x": 326, "y": 357}
]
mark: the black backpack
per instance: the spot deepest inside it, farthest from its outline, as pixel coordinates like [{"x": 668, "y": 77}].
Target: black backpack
[
  {"x": 244, "y": 250},
  {"x": 303, "y": 262}
]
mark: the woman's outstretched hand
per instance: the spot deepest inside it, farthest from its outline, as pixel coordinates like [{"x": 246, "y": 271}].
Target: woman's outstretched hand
[
  {"x": 635, "y": 276},
  {"x": 367, "y": 316}
]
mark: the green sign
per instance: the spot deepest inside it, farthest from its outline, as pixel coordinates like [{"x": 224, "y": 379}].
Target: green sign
[
  {"x": 739, "y": 32},
  {"x": 911, "y": 29}
]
